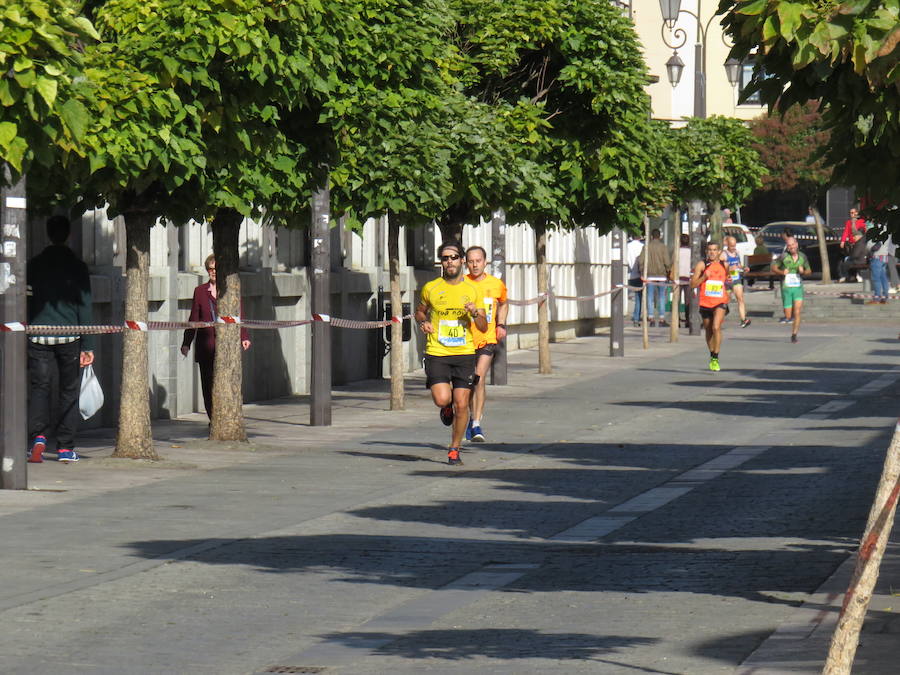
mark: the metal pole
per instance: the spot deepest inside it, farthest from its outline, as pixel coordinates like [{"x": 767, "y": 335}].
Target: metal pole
[
  {"x": 13, "y": 387},
  {"x": 696, "y": 256},
  {"x": 320, "y": 296},
  {"x": 699, "y": 77},
  {"x": 618, "y": 297},
  {"x": 498, "y": 269}
]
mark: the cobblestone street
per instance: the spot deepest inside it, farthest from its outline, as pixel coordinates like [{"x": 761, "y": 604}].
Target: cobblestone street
[{"x": 636, "y": 515}]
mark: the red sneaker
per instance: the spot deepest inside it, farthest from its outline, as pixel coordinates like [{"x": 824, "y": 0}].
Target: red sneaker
[
  {"x": 453, "y": 456},
  {"x": 37, "y": 450}
]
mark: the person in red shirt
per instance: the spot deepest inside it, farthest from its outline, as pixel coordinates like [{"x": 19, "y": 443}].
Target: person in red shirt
[
  {"x": 853, "y": 222},
  {"x": 204, "y": 308}
]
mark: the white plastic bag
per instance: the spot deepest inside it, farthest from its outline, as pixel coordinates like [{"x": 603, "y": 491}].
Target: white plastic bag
[{"x": 91, "y": 398}]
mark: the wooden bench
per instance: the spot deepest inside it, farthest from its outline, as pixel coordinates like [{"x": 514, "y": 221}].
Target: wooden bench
[{"x": 763, "y": 271}]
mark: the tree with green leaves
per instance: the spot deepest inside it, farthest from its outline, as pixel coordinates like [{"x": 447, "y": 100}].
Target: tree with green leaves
[
  {"x": 576, "y": 67},
  {"x": 791, "y": 145},
  {"x": 719, "y": 165},
  {"x": 42, "y": 119},
  {"x": 391, "y": 113},
  {"x": 191, "y": 111},
  {"x": 847, "y": 56}
]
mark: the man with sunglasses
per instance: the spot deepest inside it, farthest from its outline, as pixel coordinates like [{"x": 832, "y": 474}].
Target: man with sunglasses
[{"x": 448, "y": 308}]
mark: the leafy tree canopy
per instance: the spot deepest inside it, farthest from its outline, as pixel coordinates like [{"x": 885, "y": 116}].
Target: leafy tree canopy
[
  {"x": 40, "y": 114},
  {"x": 791, "y": 147},
  {"x": 196, "y": 109},
  {"x": 579, "y": 64},
  {"x": 844, "y": 54},
  {"x": 717, "y": 161}
]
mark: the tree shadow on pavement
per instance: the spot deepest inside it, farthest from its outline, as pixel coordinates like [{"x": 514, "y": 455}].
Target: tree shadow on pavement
[{"x": 500, "y": 644}]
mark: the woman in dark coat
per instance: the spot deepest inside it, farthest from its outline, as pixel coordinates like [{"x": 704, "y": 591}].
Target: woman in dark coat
[{"x": 203, "y": 308}]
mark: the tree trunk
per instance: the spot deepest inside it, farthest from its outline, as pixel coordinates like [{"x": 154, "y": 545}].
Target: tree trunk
[
  {"x": 676, "y": 289},
  {"x": 823, "y": 249},
  {"x": 397, "y": 393},
  {"x": 133, "y": 437},
  {"x": 540, "y": 255},
  {"x": 868, "y": 559},
  {"x": 451, "y": 228},
  {"x": 227, "y": 399},
  {"x": 715, "y": 223}
]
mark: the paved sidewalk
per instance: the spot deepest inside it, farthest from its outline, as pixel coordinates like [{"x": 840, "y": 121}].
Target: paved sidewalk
[{"x": 280, "y": 428}]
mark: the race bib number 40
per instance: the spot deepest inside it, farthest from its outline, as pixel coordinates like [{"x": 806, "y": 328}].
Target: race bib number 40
[
  {"x": 791, "y": 280},
  {"x": 451, "y": 333},
  {"x": 715, "y": 288}
]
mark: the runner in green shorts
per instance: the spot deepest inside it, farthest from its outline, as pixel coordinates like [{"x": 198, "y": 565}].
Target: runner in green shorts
[{"x": 792, "y": 265}]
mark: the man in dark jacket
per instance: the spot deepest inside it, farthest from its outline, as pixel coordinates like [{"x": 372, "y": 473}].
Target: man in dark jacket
[{"x": 59, "y": 287}]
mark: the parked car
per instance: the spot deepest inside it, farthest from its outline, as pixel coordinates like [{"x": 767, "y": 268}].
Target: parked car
[{"x": 806, "y": 237}]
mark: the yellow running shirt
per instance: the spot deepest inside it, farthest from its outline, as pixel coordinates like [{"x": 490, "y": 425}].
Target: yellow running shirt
[
  {"x": 453, "y": 326},
  {"x": 494, "y": 292}
]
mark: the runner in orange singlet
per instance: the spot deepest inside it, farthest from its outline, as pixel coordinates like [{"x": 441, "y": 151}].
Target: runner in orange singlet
[{"x": 710, "y": 277}]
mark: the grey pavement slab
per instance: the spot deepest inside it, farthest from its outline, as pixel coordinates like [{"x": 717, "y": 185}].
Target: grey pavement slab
[{"x": 637, "y": 514}]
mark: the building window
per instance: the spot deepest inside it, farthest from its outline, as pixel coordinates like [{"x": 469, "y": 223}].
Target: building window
[{"x": 746, "y": 76}]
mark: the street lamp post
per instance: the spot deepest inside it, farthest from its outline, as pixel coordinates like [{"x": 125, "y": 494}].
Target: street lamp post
[{"x": 670, "y": 10}]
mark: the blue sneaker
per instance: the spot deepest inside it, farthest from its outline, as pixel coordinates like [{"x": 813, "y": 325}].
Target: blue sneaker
[
  {"x": 469, "y": 431},
  {"x": 68, "y": 456},
  {"x": 477, "y": 435}
]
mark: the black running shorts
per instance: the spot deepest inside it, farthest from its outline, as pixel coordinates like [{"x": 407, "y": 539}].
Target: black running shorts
[
  {"x": 487, "y": 350},
  {"x": 456, "y": 370},
  {"x": 709, "y": 312}
]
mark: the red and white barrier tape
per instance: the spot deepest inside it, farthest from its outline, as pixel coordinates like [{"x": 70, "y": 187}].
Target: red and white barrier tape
[{"x": 190, "y": 325}]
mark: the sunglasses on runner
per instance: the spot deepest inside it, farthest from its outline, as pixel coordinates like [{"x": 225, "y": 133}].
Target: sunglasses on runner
[{"x": 445, "y": 258}]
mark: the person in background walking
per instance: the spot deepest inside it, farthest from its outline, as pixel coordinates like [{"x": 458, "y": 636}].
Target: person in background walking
[
  {"x": 658, "y": 267},
  {"x": 59, "y": 287},
  {"x": 684, "y": 276},
  {"x": 878, "y": 257},
  {"x": 203, "y": 308},
  {"x": 632, "y": 255}
]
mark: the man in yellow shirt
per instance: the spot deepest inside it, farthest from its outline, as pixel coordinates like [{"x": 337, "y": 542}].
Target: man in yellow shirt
[
  {"x": 448, "y": 308},
  {"x": 496, "y": 308}
]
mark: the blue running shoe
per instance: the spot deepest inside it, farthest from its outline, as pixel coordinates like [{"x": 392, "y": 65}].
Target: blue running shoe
[
  {"x": 68, "y": 456},
  {"x": 469, "y": 431},
  {"x": 477, "y": 435}
]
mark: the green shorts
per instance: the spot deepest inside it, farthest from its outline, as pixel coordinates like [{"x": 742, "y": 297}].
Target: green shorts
[{"x": 790, "y": 295}]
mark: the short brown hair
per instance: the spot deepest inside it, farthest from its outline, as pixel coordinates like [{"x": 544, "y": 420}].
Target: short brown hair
[{"x": 209, "y": 259}]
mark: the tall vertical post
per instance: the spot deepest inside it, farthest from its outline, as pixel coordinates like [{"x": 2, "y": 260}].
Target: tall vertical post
[
  {"x": 320, "y": 296},
  {"x": 699, "y": 75},
  {"x": 619, "y": 295},
  {"x": 498, "y": 269},
  {"x": 13, "y": 389},
  {"x": 696, "y": 256}
]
